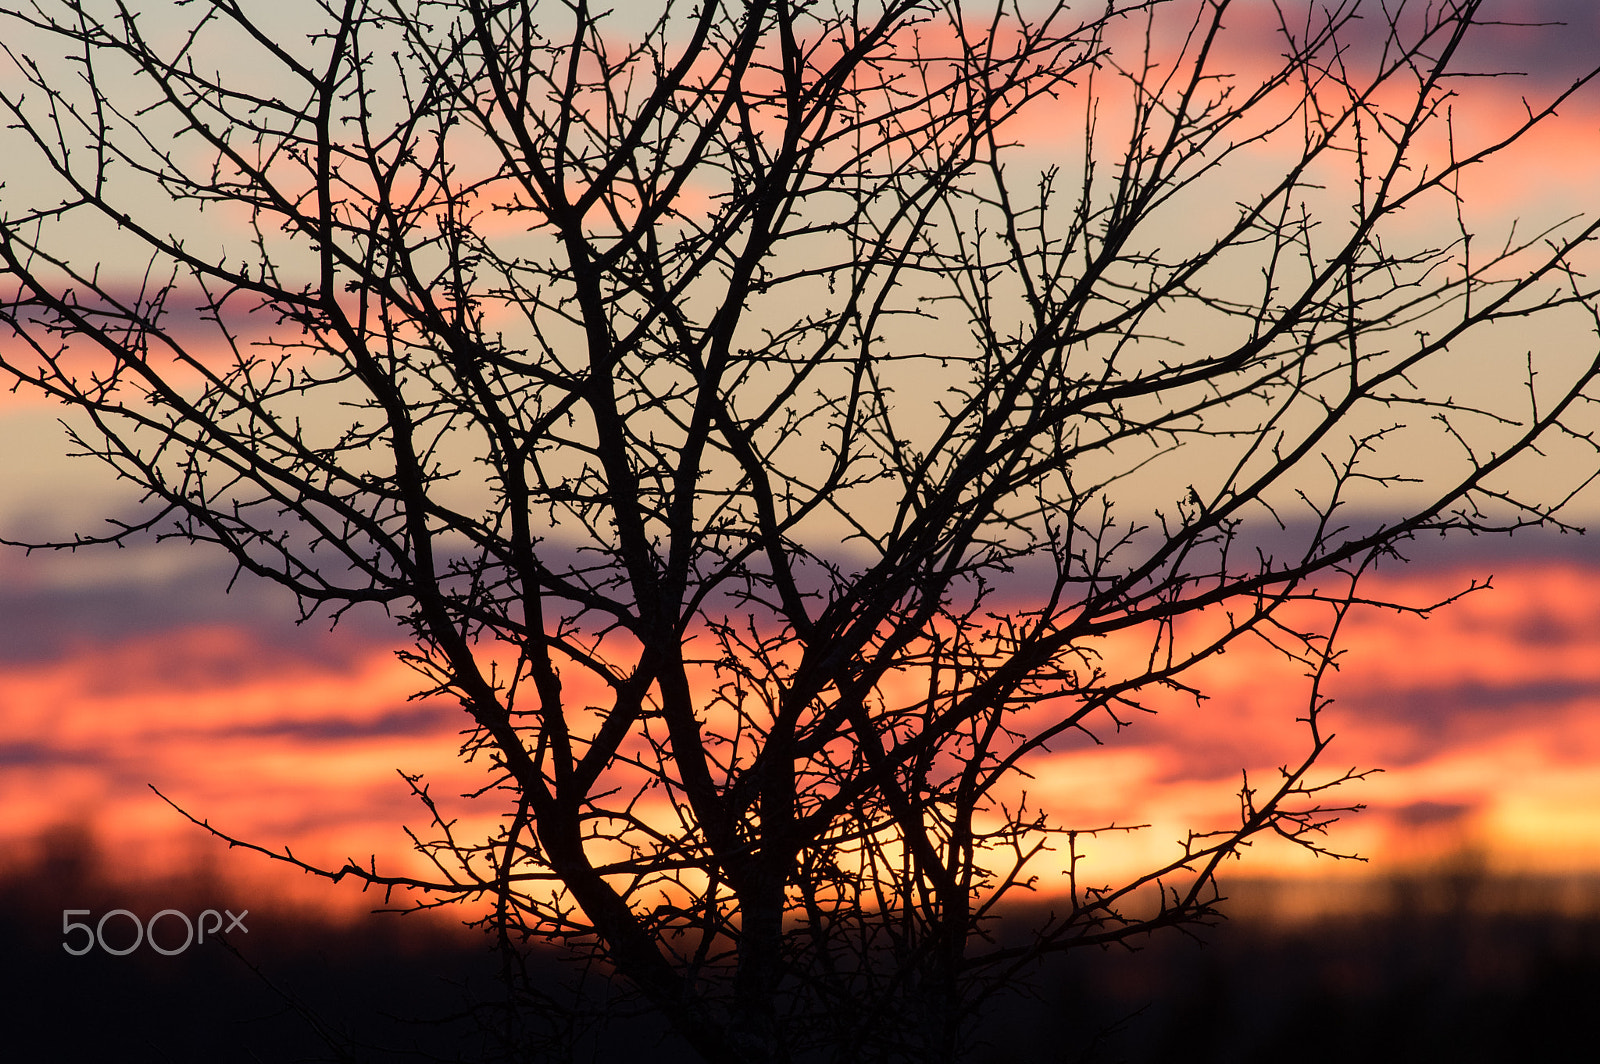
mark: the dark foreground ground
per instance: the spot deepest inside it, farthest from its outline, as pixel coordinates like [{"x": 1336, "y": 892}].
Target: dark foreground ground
[{"x": 1460, "y": 968}]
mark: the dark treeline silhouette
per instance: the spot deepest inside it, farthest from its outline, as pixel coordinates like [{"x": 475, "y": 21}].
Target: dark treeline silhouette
[
  {"x": 1455, "y": 965},
  {"x": 381, "y": 986}
]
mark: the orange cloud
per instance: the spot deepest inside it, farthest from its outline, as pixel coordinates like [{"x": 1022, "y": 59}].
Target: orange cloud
[{"x": 1484, "y": 718}]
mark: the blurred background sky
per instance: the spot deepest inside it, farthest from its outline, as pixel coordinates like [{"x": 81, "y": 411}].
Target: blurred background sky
[{"x": 123, "y": 669}]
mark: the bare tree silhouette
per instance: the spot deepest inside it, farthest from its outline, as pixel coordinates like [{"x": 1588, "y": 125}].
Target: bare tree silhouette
[{"x": 868, "y": 399}]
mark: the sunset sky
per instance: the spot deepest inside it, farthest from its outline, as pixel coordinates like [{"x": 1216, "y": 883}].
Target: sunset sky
[
  {"x": 122, "y": 670},
  {"x": 1485, "y": 719}
]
